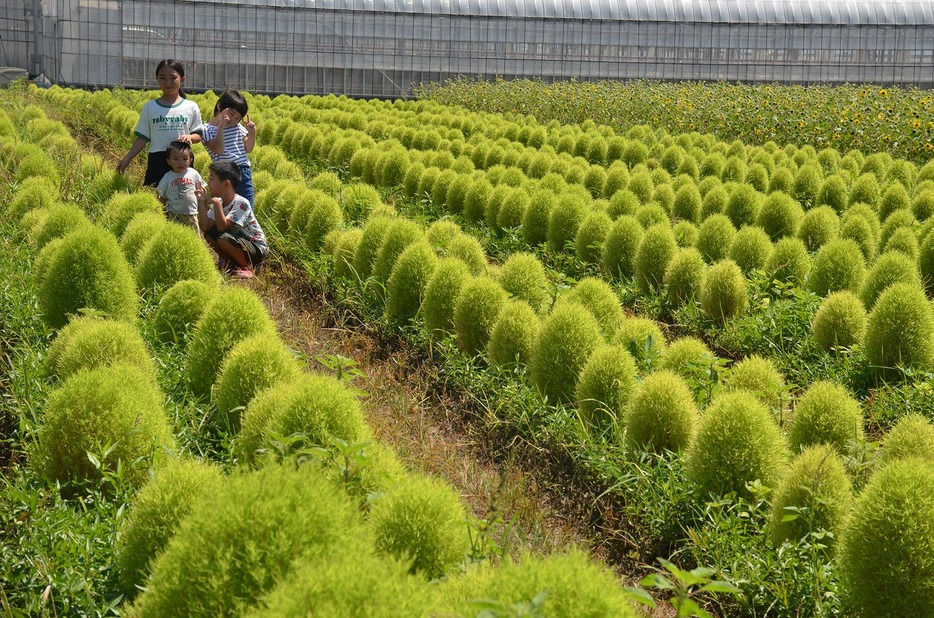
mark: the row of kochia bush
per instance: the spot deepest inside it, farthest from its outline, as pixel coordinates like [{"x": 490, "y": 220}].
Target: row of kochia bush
[
  {"x": 279, "y": 204},
  {"x": 271, "y": 538}
]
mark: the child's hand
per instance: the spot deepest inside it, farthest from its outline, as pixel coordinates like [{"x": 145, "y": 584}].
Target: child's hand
[
  {"x": 186, "y": 139},
  {"x": 224, "y": 120},
  {"x": 250, "y": 125},
  {"x": 200, "y": 192}
]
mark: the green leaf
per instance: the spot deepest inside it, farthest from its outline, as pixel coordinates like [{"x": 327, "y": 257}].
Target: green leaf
[
  {"x": 640, "y": 595},
  {"x": 719, "y": 586}
]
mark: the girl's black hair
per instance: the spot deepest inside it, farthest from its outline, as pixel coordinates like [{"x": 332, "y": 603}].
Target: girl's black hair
[
  {"x": 176, "y": 66},
  {"x": 232, "y": 99}
]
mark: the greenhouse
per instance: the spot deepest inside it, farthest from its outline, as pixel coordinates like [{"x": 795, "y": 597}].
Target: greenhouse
[{"x": 380, "y": 48}]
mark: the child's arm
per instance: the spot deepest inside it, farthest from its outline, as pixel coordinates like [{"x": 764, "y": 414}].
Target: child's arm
[
  {"x": 249, "y": 140},
  {"x": 221, "y": 121},
  {"x": 135, "y": 149},
  {"x": 204, "y": 221},
  {"x": 190, "y": 138}
]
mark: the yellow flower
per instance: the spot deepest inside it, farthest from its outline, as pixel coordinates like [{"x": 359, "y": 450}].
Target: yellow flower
[{"x": 883, "y": 93}]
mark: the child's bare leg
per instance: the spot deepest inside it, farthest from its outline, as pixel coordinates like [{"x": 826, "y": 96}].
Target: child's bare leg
[{"x": 233, "y": 252}]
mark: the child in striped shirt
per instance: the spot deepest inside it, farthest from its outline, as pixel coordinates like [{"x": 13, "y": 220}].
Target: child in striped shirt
[{"x": 228, "y": 140}]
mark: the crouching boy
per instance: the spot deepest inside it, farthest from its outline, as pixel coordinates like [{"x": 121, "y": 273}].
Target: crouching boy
[{"x": 229, "y": 223}]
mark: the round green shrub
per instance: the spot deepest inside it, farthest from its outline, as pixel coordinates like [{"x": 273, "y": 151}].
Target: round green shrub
[
  {"x": 514, "y": 334},
  {"x": 88, "y": 342},
  {"x": 568, "y": 337},
  {"x": 898, "y": 220},
  {"x": 780, "y": 215},
  {"x": 175, "y": 254},
  {"x": 180, "y": 308},
  {"x": 324, "y": 215},
  {"x": 423, "y": 520},
  {"x": 409, "y": 278},
  {"x": 113, "y": 412},
  {"x": 807, "y": 184},
  {"x": 894, "y": 197},
  {"x": 656, "y": 249},
  {"x": 536, "y": 217},
  {"x": 400, "y": 234},
  {"x": 900, "y": 330},
  {"x": 651, "y": 214},
  {"x": 912, "y": 436},
  {"x": 690, "y": 358},
  {"x": 819, "y": 226},
  {"x": 642, "y": 338},
  {"x": 840, "y": 321},
  {"x": 834, "y": 193},
  {"x": 620, "y": 248},
  {"x": 374, "y": 232},
  {"x": 155, "y": 513},
  {"x": 662, "y": 414},
  {"x": 475, "y": 311},
  {"x": 926, "y": 263},
  {"x": 715, "y": 236},
  {"x": 317, "y": 407},
  {"x": 441, "y": 233},
  {"x": 468, "y": 249},
  {"x": 737, "y": 442},
  {"x": 231, "y": 316},
  {"x": 743, "y": 206},
  {"x": 564, "y": 220},
  {"x": 885, "y": 557},
  {"x": 252, "y": 365},
  {"x": 889, "y": 268},
  {"x": 715, "y": 202},
  {"x": 903, "y": 240},
  {"x": 865, "y": 190},
  {"x": 684, "y": 276},
  {"x": 838, "y": 265},
  {"x": 598, "y": 297},
  {"x": 344, "y": 251},
  {"x": 120, "y": 209},
  {"x": 577, "y": 586},
  {"x": 139, "y": 231},
  {"x": 623, "y": 202},
  {"x": 523, "y": 276},
  {"x": 240, "y": 541},
  {"x": 826, "y": 414},
  {"x": 860, "y": 231},
  {"x": 922, "y": 205},
  {"x": 814, "y": 495},
  {"x": 686, "y": 233},
  {"x": 687, "y": 204},
  {"x": 441, "y": 292},
  {"x": 750, "y": 248},
  {"x": 87, "y": 270},
  {"x": 789, "y": 261},
  {"x": 759, "y": 376},
  {"x": 605, "y": 386},
  {"x": 60, "y": 219},
  {"x": 591, "y": 235},
  {"x": 723, "y": 294},
  {"x": 33, "y": 193}
]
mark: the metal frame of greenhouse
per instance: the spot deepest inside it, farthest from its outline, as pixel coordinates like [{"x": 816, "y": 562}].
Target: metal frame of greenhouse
[{"x": 380, "y": 48}]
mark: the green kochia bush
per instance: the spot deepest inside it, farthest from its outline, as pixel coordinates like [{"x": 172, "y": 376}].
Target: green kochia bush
[
  {"x": 175, "y": 254},
  {"x": 724, "y": 294},
  {"x": 374, "y": 231},
  {"x": 87, "y": 270},
  {"x": 750, "y": 248},
  {"x": 564, "y": 220},
  {"x": 838, "y": 265},
  {"x": 656, "y": 249},
  {"x": 760, "y": 376},
  {"x": 599, "y": 298},
  {"x": 715, "y": 236},
  {"x": 344, "y": 251},
  {"x": 409, "y": 278},
  {"x": 840, "y": 321},
  {"x": 475, "y": 311},
  {"x": 900, "y": 330},
  {"x": 568, "y": 337},
  {"x": 620, "y": 246},
  {"x": 641, "y": 337},
  {"x": 400, "y": 234},
  {"x": 60, "y": 219},
  {"x": 912, "y": 436},
  {"x": 605, "y": 386},
  {"x": 144, "y": 227},
  {"x": 523, "y": 277},
  {"x": 349, "y": 584},
  {"x": 468, "y": 249},
  {"x": 252, "y": 365},
  {"x": 535, "y": 219},
  {"x": 818, "y": 227},
  {"x": 737, "y": 443},
  {"x": 789, "y": 262},
  {"x": 780, "y": 215},
  {"x": 827, "y": 414},
  {"x": 891, "y": 267},
  {"x": 235, "y": 314},
  {"x": 886, "y": 553},
  {"x": 421, "y": 519},
  {"x": 514, "y": 335},
  {"x": 122, "y": 207},
  {"x": 155, "y": 514},
  {"x": 240, "y": 541},
  {"x": 87, "y": 342},
  {"x": 117, "y": 408},
  {"x": 684, "y": 276},
  {"x": 318, "y": 407},
  {"x": 814, "y": 495},
  {"x": 576, "y": 587},
  {"x": 441, "y": 293},
  {"x": 180, "y": 308},
  {"x": 662, "y": 415},
  {"x": 591, "y": 235}
]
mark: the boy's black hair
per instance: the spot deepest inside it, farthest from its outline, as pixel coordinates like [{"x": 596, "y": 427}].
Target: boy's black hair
[
  {"x": 176, "y": 66},
  {"x": 232, "y": 99},
  {"x": 227, "y": 170},
  {"x": 178, "y": 146}
]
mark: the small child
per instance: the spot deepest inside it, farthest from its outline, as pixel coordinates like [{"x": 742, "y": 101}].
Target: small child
[
  {"x": 228, "y": 221},
  {"x": 177, "y": 187},
  {"x": 227, "y": 140}
]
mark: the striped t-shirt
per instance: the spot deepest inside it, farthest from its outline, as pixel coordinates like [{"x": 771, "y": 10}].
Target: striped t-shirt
[{"x": 234, "y": 149}]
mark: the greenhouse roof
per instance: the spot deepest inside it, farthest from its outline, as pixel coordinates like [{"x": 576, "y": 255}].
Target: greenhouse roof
[{"x": 843, "y": 12}]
